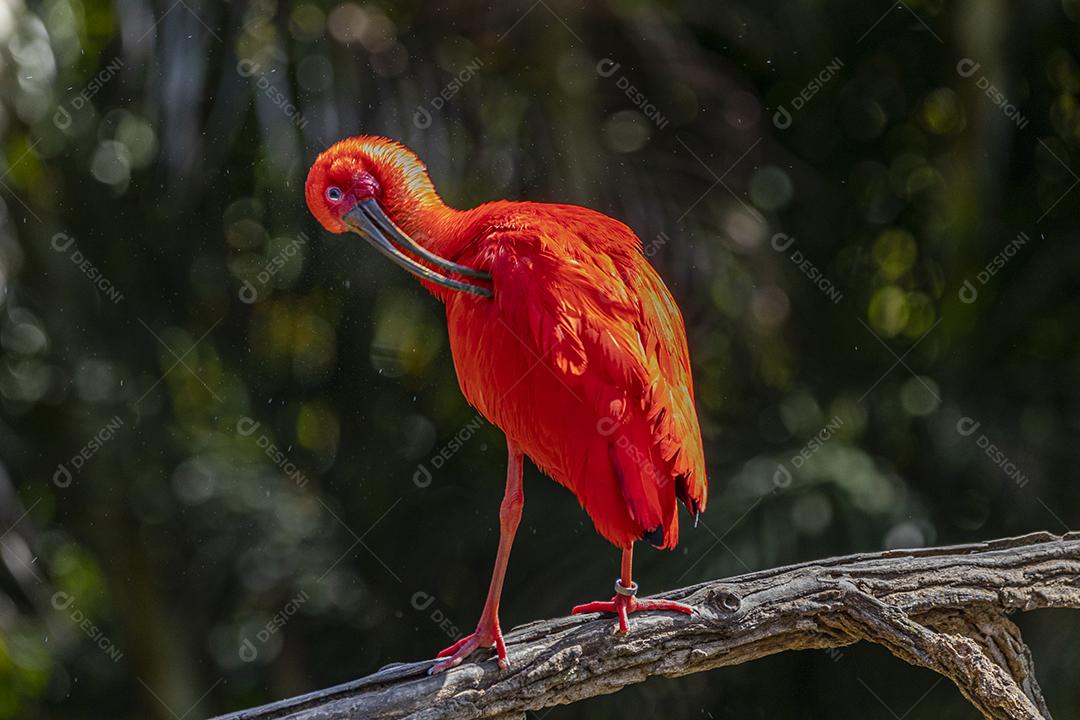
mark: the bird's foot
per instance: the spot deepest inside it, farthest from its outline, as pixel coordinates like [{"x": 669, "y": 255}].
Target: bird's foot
[
  {"x": 487, "y": 635},
  {"x": 625, "y": 602}
]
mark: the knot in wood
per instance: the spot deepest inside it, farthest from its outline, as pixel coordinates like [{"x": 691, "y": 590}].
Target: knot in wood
[{"x": 725, "y": 601}]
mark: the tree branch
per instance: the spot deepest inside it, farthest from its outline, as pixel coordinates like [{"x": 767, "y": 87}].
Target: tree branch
[
  {"x": 941, "y": 608},
  {"x": 999, "y": 639}
]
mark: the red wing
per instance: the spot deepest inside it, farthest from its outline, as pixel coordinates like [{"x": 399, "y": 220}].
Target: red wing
[
  {"x": 609, "y": 329},
  {"x": 671, "y": 404}
]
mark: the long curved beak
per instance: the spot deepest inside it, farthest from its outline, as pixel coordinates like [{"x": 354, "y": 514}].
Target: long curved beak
[{"x": 369, "y": 221}]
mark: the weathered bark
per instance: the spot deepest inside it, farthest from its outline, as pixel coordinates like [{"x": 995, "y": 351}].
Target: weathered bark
[{"x": 942, "y": 608}]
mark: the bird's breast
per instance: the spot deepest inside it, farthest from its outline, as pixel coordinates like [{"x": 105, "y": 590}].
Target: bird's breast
[{"x": 503, "y": 375}]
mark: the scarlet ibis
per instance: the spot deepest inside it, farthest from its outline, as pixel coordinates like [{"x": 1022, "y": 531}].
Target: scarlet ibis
[{"x": 562, "y": 335}]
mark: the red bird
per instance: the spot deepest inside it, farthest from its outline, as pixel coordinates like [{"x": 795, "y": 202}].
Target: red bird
[{"x": 562, "y": 335}]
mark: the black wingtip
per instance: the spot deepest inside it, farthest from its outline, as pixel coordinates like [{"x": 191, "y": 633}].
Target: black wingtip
[{"x": 654, "y": 537}]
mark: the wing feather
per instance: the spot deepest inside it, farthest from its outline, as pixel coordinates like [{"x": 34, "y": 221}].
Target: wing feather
[{"x": 583, "y": 298}]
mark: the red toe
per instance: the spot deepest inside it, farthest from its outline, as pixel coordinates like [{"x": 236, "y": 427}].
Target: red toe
[
  {"x": 664, "y": 605},
  {"x": 601, "y": 606},
  {"x": 500, "y": 651},
  {"x": 623, "y": 605},
  {"x": 454, "y": 648},
  {"x": 484, "y": 637}
]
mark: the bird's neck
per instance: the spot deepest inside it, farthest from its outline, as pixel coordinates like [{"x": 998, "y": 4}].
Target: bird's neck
[{"x": 440, "y": 228}]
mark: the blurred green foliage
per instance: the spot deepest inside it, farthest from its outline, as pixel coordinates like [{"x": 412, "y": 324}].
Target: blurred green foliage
[{"x": 238, "y": 464}]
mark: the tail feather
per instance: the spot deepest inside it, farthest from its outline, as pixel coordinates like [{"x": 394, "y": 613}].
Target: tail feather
[{"x": 644, "y": 479}]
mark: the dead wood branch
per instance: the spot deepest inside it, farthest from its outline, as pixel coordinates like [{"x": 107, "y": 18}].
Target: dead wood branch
[{"x": 943, "y": 608}]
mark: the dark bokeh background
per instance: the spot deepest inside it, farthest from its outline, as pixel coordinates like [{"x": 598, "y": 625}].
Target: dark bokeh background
[{"x": 196, "y": 452}]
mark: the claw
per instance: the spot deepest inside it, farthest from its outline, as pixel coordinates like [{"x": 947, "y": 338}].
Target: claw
[
  {"x": 484, "y": 637},
  {"x": 623, "y": 606},
  {"x": 454, "y": 648},
  {"x": 500, "y": 651}
]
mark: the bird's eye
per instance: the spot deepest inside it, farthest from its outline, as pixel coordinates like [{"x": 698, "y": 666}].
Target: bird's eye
[{"x": 333, "y": 194}]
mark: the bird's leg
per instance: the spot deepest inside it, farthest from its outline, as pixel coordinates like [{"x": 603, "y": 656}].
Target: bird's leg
[
  {"x": 625, "y": 600},
  {"x": 488, "y": 632}
]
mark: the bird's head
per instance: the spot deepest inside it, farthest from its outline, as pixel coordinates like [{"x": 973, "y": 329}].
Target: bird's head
[
  {"x": 367, "y": 168},
  {"x": 374, "y": 187}
]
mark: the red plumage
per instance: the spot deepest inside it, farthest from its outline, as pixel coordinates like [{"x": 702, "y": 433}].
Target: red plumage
[
  {"x": 579, "y": 354},
  {"x": 581, "y": 358}
]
